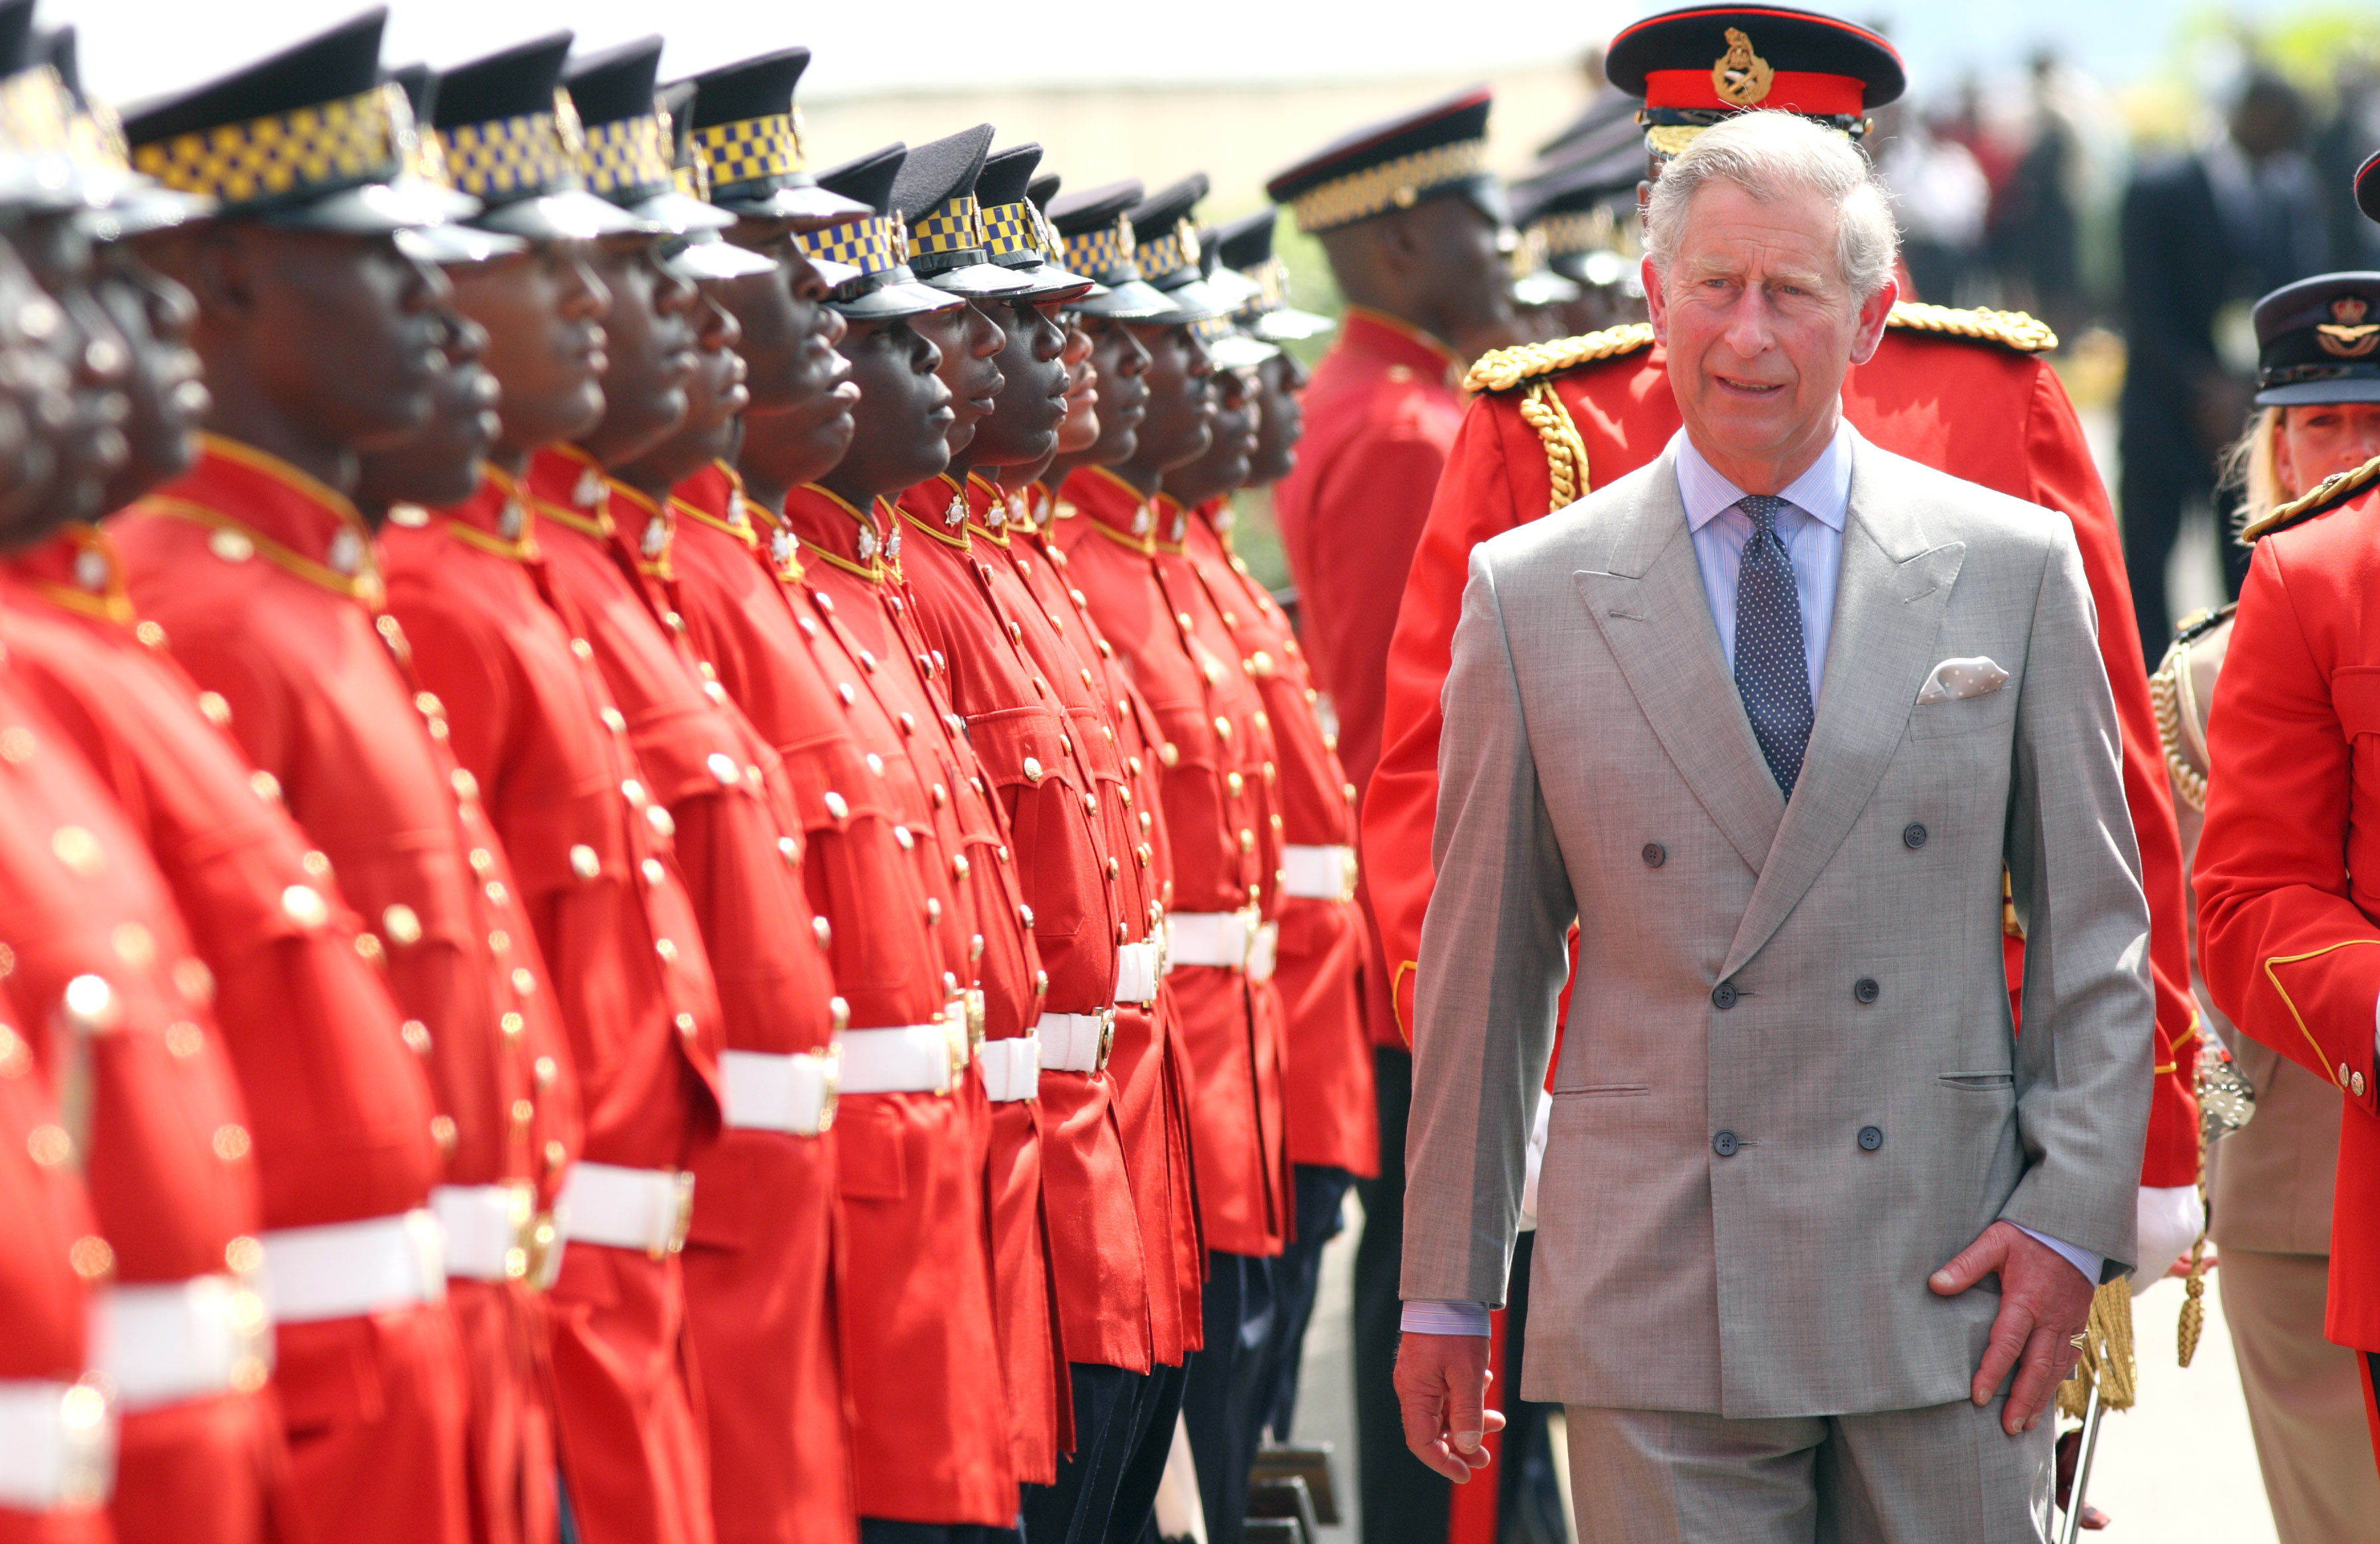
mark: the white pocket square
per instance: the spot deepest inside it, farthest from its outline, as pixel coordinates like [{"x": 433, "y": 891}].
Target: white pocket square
[{"x": 1955, "y": 680}]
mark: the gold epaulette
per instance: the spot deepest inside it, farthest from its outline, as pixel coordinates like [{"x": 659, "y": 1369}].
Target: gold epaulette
[
  {"x": 1507, "y": 368},
  {"x": 2009, "y": 329},
  {"x": 2327, "y": 495}
]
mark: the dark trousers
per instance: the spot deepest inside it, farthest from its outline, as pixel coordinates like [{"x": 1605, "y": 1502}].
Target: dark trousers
[
  {"x": 1297, "y": 1277},
  {"x": 1156, "y": 1409},
  {"x": 1231, "y": 1380},
  {"x": 1405, "y": 1501},
  {"x": 1075, "y": 1508},
  {"x": 883, "y": 1530}
]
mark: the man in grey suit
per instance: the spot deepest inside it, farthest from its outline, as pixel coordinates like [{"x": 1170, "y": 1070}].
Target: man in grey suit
[{"x": 1766, "y": 718}]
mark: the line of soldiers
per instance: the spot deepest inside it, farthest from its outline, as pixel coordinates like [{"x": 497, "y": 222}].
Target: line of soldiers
[{"x": 658, "y": 878}]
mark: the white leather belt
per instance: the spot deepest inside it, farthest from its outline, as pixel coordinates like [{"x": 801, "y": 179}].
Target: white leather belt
[
  {"x": 167, "y": 1341},
  {"x": 626, "y": 1208},
  {"x": 1137, "y": 967},
  {"x": 1076, "y": 1042},
  {"x": 789, "y": 1093},
  {"x": 1318, "y": 873},
  {"x": 1263, "y": 950},
  {"x": 345, "y": 1269},
  {"x": 913, "y": 1059},
  {"x": 488, "y": 1229},
  {"x": 1011, "y": 1068},
  {"x": 57, "y": 1445},
  {"x": 1216, "y": 938}
]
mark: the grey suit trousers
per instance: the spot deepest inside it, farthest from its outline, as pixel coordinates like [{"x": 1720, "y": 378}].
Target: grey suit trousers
[{"x": 1943, "y": 1475}]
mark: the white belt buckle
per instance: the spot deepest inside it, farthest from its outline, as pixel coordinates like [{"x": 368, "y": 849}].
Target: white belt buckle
[
  {"x": 795, "y": 1094},
  {"x": 1010, "y": 1068},
  {"x": 1077, "y": 1042},
  {"x": 628, "y": 1208},
  {"x": 1264, "y": 951},
  {"x": 57, "y": 1445},
  {"x": 167, "y": 1341},
  {"x": 1318, "y": 873},
  {"x": 487, "y": 1228}
]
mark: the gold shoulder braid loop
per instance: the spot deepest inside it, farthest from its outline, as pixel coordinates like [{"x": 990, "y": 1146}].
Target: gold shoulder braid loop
[
  {"x": 1542, "y": 409},
  {"x": 1507, "y": 368},
  {"x": 2165, "y": 697},
  {"x": 2327, "y": 495},
  {"x": 2010, "y": 329}
]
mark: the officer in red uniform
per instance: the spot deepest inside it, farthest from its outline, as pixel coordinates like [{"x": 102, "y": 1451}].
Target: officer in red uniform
[
  {"x": 1334, "y": 1128},
  {"x": 1411, "y": 223},
  {"x": 533, "y": 721},
  {"x": 1147, "y": 1068},
  {"x": 938, "y": 1453},
  {"x": 2285, "y": 910},
  {"x": 1217, "y": 796},
  {"x": 319, "y": 341},
  {"x": 1037, "y": 723}
]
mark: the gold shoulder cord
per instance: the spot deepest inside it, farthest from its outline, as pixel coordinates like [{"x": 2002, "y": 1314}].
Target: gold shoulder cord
[
  {"x": 1542, "y": 409},
  {"x": 2327, "y": 495},
  {"x": 2165, "y": 697},
  {"x": 2009, "y": 328}
]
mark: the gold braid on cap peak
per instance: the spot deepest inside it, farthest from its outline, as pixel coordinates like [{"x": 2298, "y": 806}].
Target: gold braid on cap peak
[
  {"x": 2009, "y": 329},
  {"x": 2329, "y": 495},
  {"x": 1397, "y": 184}
]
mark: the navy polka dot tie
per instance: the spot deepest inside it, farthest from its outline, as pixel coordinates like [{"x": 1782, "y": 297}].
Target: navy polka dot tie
[{"x": 1771, "y": 672}]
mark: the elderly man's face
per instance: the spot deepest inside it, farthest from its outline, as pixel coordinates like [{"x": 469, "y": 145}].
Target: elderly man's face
[{"x": 1760, "y": 329}]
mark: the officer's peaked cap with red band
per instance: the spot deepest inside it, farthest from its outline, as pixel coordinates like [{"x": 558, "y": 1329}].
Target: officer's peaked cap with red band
[
  {"x": 1730, "y": 58},
  {"x": 2367, "y": 187}
]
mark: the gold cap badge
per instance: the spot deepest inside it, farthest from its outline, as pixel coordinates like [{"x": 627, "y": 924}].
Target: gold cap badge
[
  {"x": 1741, "y": 77},
  {"x": 2347, "y": 336}
]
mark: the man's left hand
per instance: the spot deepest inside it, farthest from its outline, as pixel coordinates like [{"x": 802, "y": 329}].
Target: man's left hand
[{"x": 2044, "y": 1301}]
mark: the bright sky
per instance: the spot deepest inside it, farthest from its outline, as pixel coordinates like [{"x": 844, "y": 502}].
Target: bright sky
[{"x": 136, "y": 49}]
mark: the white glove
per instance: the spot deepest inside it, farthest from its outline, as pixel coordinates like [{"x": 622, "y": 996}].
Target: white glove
[
  {"x": 1536, "y": 1161},
  {"x": 2169, "y": 1219}
]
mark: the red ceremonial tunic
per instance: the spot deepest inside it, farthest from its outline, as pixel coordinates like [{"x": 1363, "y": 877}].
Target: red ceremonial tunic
[
  {"x": 1978, "y": 410},
  {"x": 2289, "y": 868},
  {"x": 43, "y": 1299},
  {"x": 595, "y": 861},
  {"x": 117, "y": 1004},
  {"x": 1217, "y": 760},
  {"x": 921, "y": 1462},
  {"x": 1333, "y": 1120},
  {"x": 1036, "y": 730},
  {"x": 1149, "y": 1069},
  {"x": 268, "y": 584}
]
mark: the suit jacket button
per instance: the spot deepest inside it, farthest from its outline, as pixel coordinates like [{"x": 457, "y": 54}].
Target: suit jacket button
[
  {"x": 1912, "y": 836},
  {"x": 1871, "y": 1137},
  {"x": 1654, "y": 855},
  {"x": 1864, "y": 990},
  {"x": 1723, "y": 995},
  {"x": 1725, "y": 1144}
]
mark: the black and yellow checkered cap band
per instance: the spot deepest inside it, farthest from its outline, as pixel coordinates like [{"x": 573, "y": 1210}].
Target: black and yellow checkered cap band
[
  {"x": 1398, "y": 184},
  {"x": 1104, "y": 251},
  {"x": 952, "y": 225},
  {"x": 325, "y": 148},
  {"x": 1173, "y": 251},
  {"x": 1580, "y": 231},
  {"x": 509, "y": 158},
  {"x": 628, "y": 156},
  {"x": 37, "y": 115},
  {"x": 1015, "y": 230},
  {"x": 751, "y": 148},
  {"x": 876, "y": 245}
]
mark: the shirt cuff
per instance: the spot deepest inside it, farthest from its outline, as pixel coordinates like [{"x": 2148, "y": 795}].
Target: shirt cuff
[
  {"x": 1445, "y": 1319},
  {"x": 2091, "y": 1265}
]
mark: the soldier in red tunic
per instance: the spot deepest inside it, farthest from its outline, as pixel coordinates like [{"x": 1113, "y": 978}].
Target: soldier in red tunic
[
  {"x": 936, "y": 1449},
  {"x": 320, "y": 339},
  {"x": 2286, "y": 906}
]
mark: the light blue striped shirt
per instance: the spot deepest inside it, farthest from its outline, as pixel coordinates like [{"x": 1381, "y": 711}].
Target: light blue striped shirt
[{"x": 1811, "y": 526}]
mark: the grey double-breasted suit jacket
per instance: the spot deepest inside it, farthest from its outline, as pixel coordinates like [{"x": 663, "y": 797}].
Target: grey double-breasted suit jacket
[{"x": 1790, "y": 1088}]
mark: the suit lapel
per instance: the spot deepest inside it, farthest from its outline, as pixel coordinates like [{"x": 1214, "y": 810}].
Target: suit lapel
[
  {"x": 1888, "y": 604},
  {"x": 1647, "y": 600}
]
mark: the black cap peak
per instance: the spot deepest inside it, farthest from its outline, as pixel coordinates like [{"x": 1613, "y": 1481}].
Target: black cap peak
[
  {"x": 511, "y": 82},
  {"x": 940, "y": 170},
  {"x": 1157, "y": 214},
  {"x": 750, "y": 89},
  {"x": 1076, "y": 213},
  {"x": 329, "y": 66},
  {"x": 1246, "y": 242},
  {"x": 1006, "y": 175},
  {"x": 615, "y": 83},
  {"x": 868, "y": 178}
]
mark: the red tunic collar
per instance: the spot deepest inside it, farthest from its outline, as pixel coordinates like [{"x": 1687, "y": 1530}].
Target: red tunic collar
[
  {"x": 260, "y": 506},
  {"x": 1394, "y": 342},
  {"x": 831, "y": 529},
  {"x": 567, "y": 486},
  {"x": 78, "y": 570},
  {"x": 1115, "y": 508}
]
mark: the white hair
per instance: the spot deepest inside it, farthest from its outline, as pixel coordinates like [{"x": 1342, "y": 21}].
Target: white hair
[{"x": 1771, "y": 154}]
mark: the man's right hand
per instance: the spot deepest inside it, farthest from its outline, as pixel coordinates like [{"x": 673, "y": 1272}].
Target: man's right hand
[{"x": 1442, "y": 1391}]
